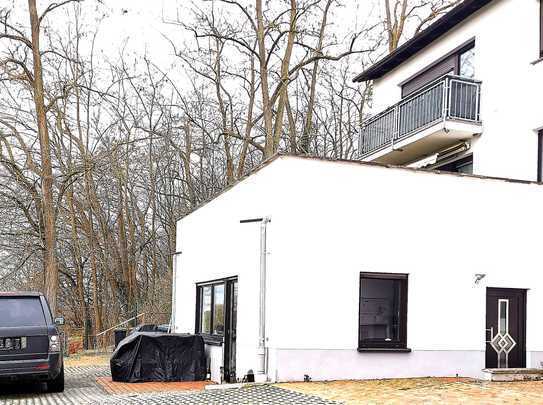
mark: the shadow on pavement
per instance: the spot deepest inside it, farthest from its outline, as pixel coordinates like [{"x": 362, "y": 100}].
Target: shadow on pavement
[{"x": 22, "y": 388}]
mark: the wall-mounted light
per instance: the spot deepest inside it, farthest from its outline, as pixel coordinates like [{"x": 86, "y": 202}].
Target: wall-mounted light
[{"x": 479, "y": 277}]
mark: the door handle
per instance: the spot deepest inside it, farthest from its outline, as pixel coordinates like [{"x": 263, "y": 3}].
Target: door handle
[{"x": 491, "y": 329}]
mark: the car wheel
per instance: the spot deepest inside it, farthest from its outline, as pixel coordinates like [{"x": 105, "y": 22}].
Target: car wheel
[{"x": 57, "y": 384}]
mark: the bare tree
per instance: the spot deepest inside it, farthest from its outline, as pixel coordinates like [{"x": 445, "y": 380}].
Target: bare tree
[
  {"x": 282, "y": 43},
  {"x": 100, "y": 158},
  {"x": 34, "y": 77},
  {"x": 399, "y": 14}
]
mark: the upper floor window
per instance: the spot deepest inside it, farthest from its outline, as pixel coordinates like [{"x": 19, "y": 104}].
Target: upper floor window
[
  {"x": 460, "y": 61},
  {"x": 383, "y": 311},
  {"x": 466, "y": 64}
]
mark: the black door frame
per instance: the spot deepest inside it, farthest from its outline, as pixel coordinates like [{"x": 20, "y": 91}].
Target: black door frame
[
  {"x": 521, "y": 318},
  {"x": 230, "y": 332}
]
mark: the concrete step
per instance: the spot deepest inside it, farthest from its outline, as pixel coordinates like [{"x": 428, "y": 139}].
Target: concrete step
[{"x": 513, "y": 374}]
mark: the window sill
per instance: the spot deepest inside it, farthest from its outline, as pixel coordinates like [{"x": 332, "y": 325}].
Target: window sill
[{"x": 384, "y": 350}]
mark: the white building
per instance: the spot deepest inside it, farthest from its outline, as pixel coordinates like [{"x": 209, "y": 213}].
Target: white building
[
  {"x": 377, "y": 271},
  {"x": 495, "y": 106}
]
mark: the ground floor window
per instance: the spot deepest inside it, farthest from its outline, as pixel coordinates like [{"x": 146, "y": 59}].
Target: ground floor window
[
  {"x": 464, "y": 165},
  {"x": 210, "y": 308},
  {"x": 383, "y": 311}
]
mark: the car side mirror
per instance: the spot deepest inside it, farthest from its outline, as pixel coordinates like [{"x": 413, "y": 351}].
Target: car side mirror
[{"x": 59, "y": 321}]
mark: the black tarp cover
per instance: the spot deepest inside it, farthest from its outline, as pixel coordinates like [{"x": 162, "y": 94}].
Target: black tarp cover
[{"x": 152, "y": 356}]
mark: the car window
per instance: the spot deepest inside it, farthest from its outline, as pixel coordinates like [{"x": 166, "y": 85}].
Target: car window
[{"x": 21, "y": 311}]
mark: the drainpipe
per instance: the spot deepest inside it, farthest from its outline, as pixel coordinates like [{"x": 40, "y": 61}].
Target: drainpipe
[
  {"x": 262, "y": 303},
  {"x": 261, "y": 351}
]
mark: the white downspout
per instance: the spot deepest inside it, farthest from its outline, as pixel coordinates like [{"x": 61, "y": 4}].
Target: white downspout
[{"x": 262, "y": 301}]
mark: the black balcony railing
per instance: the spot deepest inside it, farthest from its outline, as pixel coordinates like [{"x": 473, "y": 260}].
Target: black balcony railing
[{"x": 450, "y": 97}]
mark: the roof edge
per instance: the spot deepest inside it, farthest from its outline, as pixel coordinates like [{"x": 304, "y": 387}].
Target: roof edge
[
  {"x": 278, "y": 156},
  {"x": 420, "y": 41}
]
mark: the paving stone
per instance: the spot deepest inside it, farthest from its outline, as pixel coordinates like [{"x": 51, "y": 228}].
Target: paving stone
[
  {"x": 257, "y": 395},
  {"x": 82, "y": 389}
]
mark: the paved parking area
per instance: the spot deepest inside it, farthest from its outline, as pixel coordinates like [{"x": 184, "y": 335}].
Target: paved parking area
[
  {"x": 82, "y": 389},
  {"x": 261, "y": 395}
]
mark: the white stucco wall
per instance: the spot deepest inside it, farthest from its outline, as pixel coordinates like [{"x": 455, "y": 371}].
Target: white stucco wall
[
  {"x": 213, "y": 245},
  {"x": 506, "y": 33},
  {"x": 331, "y": 221}
]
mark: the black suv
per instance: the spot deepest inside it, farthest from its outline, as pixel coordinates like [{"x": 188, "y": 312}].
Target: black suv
[{"x": 30, "y": 347}]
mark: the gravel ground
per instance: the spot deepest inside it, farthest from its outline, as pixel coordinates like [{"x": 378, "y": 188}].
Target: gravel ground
[{"x": 427, "y": 391}]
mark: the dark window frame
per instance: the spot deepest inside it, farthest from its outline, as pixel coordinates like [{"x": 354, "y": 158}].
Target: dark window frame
[
  {"x": 541, "y": 28},
  {"x": 540, "y": 156},
  {"x": 401, "y": 344},
  {"x": 452, "y": 165},
  {"x": 453, "y": 58},
  {"x": 210, "y": 338}
]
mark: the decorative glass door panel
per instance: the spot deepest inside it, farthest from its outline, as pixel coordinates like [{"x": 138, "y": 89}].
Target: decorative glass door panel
[
  {"x": 506, "y": 328},
  {"x": 502, "y": 342}
]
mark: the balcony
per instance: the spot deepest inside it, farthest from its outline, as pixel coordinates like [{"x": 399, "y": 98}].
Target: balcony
[{"x": 437, "y": 116}]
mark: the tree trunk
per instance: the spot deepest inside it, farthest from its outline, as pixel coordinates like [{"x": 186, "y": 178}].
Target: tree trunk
[
  {"x": 50, "y": 263},
  {"x": 266, "y": 104},
  {"x": 283, "y": 95},
  {"x": 308, "y": 127}
]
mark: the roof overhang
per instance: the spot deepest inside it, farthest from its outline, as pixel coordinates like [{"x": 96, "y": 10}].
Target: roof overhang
[{"x": 422, "y": 39}]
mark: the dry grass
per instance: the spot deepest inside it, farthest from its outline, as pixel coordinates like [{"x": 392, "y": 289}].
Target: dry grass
[{"x": 87, "y": 359}]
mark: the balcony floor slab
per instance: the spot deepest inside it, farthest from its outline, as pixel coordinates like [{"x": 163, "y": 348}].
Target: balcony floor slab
[{"x": 425, "y": 142}]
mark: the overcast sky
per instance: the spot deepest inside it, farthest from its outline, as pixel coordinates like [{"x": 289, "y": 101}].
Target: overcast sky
[
  {"x": 138, "y": 26},
  {"x": 141, "y": 23}
]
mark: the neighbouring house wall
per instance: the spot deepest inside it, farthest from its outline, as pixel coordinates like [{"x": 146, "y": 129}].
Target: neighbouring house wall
[
  {"x": 506, "y": 33},
  {"x": 214, "y": 245},
  {"x": 334, "y": 220}
]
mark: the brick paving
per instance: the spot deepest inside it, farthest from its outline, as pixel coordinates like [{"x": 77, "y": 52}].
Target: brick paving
[{"x": 113, "y": 387}]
